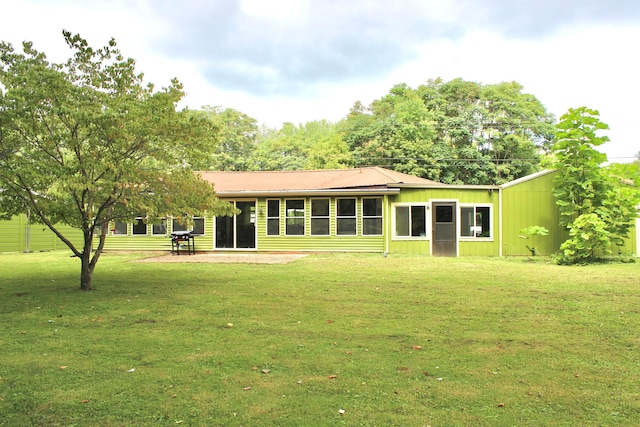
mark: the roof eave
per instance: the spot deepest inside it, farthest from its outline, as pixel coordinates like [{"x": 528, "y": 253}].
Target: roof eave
[{"x": 308, "y": 193}]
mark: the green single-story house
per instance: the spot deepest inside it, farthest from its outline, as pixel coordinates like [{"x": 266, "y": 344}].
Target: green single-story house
[{"x": 357, "y": 210}]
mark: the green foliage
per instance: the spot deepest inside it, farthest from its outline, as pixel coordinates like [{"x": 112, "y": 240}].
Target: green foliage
[
  {"x": 627, "y": 171},
  {"x": 454, "y": 132},
  {"x": 85, "y": 142},
  {"x": 236, "y": 140},
  {"x": 580, "y": 185},
  {"x": 531, "y": 232},
  {"x": 589, "y": 199},
  {"x": 314, "y": 145},
  {"x": 589, "y": 238}
]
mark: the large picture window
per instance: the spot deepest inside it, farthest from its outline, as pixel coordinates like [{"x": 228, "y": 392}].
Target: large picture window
[
  {"x": 475, "y": 221},
  {"x": 372, "y": 216},
  {"x": 273, "y": 217},
  {"x": 320, "y": 217},
  {"x": 346, "y": 217},
  {"x": 411, "y": 221},
  {"x": 294, "y": 219}
]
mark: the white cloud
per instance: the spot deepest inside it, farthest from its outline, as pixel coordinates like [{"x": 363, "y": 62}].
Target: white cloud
[{"x": 297, "y": 61}]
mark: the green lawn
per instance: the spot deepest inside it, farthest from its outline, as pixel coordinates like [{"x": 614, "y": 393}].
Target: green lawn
[{"x": 332, "y": 339}]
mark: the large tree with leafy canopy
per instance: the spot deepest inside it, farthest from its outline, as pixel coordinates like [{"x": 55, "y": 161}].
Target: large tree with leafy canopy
[
  {"x": 236, "y": 142},
  {"x": 313, "y": 145},
  {"x": 86, "y": 142},
  {"x": 595, "y": 207},
  {"x": 453, "y": 132}
]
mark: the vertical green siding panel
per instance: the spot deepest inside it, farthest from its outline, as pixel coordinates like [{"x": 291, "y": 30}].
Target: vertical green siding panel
[
  {"x": 468, "y": 196},
  {"x": 531, "y": 203}
]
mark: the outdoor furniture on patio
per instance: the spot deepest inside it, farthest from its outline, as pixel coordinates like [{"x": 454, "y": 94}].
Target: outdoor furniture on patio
[{"x": 180, "y": 239}]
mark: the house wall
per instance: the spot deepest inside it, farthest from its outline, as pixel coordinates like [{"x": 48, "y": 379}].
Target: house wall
[
  {"x": 332, "y": 242},
  {"x": 466, "y": 246},
  {"x": 151, "y": 242},
  {"x": 526, "y": 204}
]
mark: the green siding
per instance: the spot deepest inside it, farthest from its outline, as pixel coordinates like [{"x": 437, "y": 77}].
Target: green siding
[
  {"x": 331, "y": 243},
  {"x": 464, "y": 196},
  {"x": 528, "y": 202},
  {"x": 417, "y": 247},
  {"x": 18, "y": 235},
  {"x": 151, "y": 242},
  {"x": 531, "y": 203}
]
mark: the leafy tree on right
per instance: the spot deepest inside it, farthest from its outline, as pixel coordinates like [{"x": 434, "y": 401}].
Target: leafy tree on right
[{"x": 596, "y": 208}]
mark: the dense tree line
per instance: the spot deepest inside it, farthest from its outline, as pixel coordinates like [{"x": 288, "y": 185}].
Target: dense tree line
[{"x": 452, "y": 132}]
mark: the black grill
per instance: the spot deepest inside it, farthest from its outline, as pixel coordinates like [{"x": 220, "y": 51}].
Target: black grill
[{"x": 180, "y": 239}]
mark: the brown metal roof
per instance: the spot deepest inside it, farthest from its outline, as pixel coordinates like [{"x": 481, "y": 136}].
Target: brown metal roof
[{"x": 287, "y": 181}]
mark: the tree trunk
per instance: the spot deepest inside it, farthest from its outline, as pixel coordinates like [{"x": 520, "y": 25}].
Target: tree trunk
[{"x": 86, "y": 272}]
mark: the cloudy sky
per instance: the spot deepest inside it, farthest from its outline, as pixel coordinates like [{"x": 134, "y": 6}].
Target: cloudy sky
[{"x": 302, "y": 60}]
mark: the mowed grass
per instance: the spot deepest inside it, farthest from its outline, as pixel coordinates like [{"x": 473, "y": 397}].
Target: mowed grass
[{"x": 335, "y": 339}]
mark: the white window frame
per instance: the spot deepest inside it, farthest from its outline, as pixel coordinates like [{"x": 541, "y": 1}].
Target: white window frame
[
  {"x": 278, "y": 218},
  {"x": 197, "y": 218},
  {"x": 381, "y": 216},
  {"x": 427, "y": 220},
  {"x": 163, "y": 222},
  {"x": 133, "y": 225},
  {"x": 320, "y": 217},
  {"x": 354, "y": 217},
  {"x": 126, "y": 228},
  {"x": 287, "y": 217},
  {"x": 473, "y": 238}
]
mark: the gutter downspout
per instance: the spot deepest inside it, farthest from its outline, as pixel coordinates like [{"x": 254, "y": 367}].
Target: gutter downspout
[{"x": 386, "y": 224}]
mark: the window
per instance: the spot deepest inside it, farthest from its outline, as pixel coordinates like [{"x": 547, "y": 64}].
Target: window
[
  {"x": 159, "y": 228},
  {"x": 475, "y": 221},
  {"x": 139, "y": 227},
  {"x": 119, "y": 228},
  {"x": 346, "y": 217},
  {"x": 177, "y": 226},
  {"x": 320, "y": 217},
  {"x": 372, "y": 216},
  {"x": 197, "y": 228},
  {"x": 273, "y": 217},
  {"x": 411, "y": 221},
  {"x": 294, "y": 217}
]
